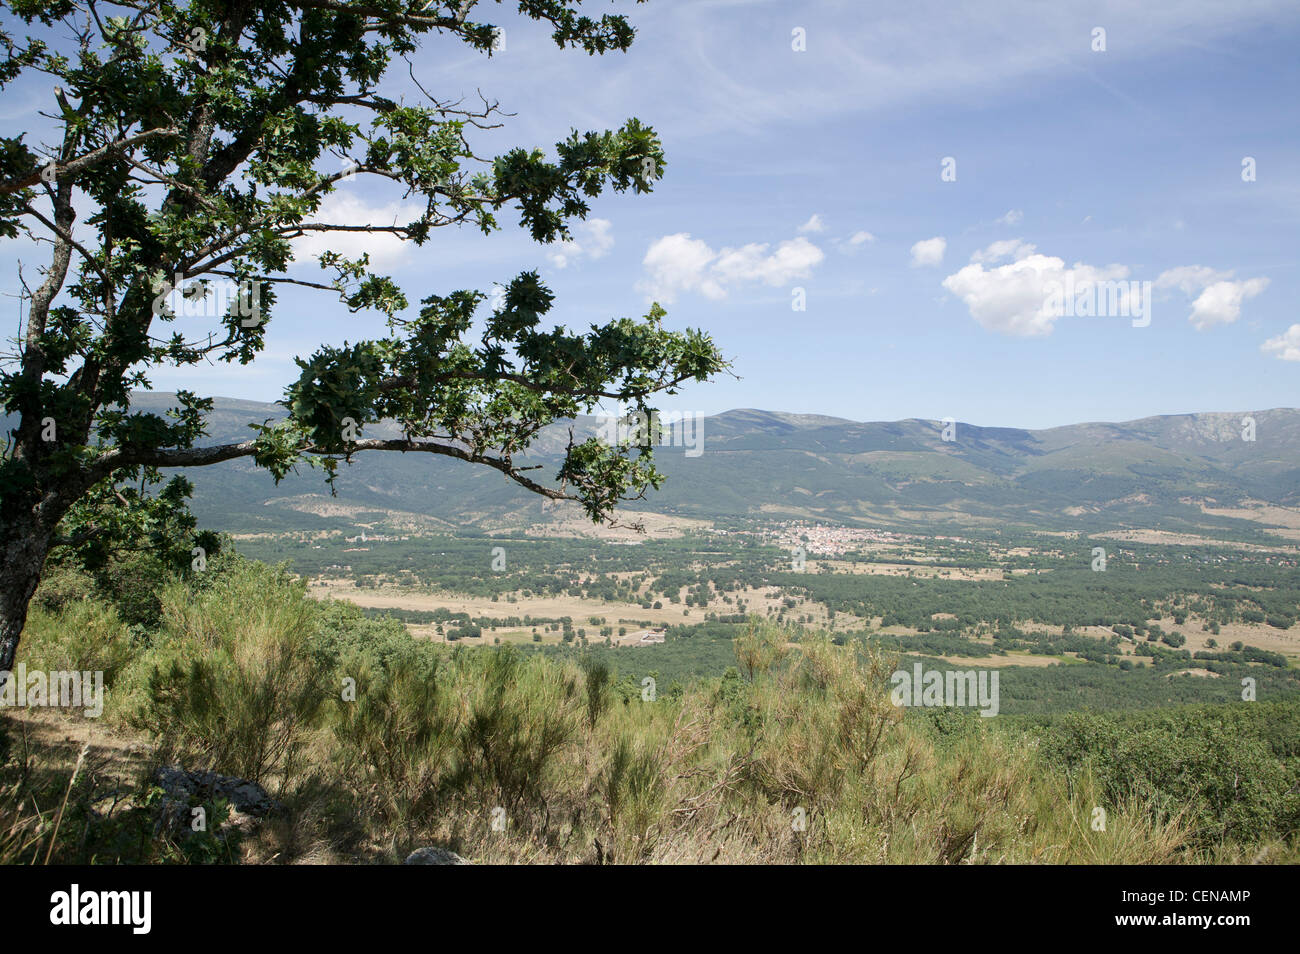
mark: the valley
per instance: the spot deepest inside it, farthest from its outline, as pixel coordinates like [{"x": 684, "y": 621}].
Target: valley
[{"x": 1033, "y": 603}]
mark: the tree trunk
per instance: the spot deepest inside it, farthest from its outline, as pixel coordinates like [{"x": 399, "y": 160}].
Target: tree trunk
[
  {"x": 34, "y": 497},
  {"x": 23, "y": 546}
]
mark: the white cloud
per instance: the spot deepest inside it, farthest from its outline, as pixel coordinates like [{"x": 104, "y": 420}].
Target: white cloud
[
  {"x": 1012, "y": 217},
  {"x": 1015, "y": 299},
  {"x": 1014, "y": 249},
  {"x": 679, "y": 263},
  {"x": 814, "y": 224},
  {"x": 591, "y": 239},
  {"x": 1286, "y": 346},
  {"x": 1218, "y": 296},
  {"x": 854, "y": 242},
  {"x": 751, "y": 263},
  {"x": 929, "y": 251},
  {"x": 345, "y": 208},
  {"x": 1220, "y": 304}
]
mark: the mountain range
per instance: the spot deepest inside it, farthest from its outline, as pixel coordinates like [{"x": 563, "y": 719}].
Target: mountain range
[{"x": 1191, "y": 473}]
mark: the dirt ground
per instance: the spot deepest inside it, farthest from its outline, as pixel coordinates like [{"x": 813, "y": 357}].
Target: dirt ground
[{"x": 62, "y": 735}]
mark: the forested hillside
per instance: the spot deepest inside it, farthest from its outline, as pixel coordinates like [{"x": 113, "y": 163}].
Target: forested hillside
[{"x": 1192, "y": 473}]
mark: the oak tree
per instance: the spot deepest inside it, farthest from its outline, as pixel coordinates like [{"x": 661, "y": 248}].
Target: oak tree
[{"x": 185, "y": 147}]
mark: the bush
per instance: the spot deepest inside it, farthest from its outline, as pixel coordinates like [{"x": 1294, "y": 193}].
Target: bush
[
  {"x": 60, "y": 586},
  {"x": 395, "y": 741},
  {"x": 434, "y": 740},
  {"x": 82, "y": 636},
  {"x": 519, "y": 714},
  {"x": 232, "y": 681},
  {"x": 1217, "y": 766}
]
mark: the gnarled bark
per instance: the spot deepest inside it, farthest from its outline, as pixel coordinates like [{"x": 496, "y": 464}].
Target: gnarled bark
[{"x": 23, "y": 547}]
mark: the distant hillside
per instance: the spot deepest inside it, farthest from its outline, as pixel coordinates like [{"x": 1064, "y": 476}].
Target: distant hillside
[{"x": 1158, "y": 472}]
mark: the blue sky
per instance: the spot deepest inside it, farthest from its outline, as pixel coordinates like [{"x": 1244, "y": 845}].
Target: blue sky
[{"x": 819, "y": 169}]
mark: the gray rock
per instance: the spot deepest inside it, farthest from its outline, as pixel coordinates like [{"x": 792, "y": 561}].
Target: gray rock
[
  {"x": 434, "y": 856},
  {"x": 184, "y": 791}
]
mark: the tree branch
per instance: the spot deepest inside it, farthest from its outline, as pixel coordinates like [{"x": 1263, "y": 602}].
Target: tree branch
[
  {"x": 453, "y": 22},
  {"x": 73, "y": 166},
  {"x": 116, "y": 459}
]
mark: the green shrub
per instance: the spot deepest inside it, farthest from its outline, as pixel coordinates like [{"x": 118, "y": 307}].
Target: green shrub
[
  {"x": 232, "y": 681},
  {"x": 634, "y": 791},
  {"x": 1229, "y": 769},
  {"x": 520, "y": 714},
  {"x": 81, "y": 636},
  {"x": 394, "y": 743}
]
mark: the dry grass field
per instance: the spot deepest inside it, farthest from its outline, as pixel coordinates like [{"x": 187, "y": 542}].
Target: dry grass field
[{"x": 765, "y": 601}]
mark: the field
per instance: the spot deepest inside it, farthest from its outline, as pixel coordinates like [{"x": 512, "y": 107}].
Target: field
[{"x": 1065, "y": 632}]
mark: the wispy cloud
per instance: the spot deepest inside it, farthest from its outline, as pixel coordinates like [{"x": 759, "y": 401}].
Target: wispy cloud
[
  {"x": 678, "y": 263},
  {"x": 1285, "y": 346},
  {"x": 929, "y": 252},
  {"x": 1015, "y": 249},
  {"x": 1218, "y": 297},
  {"x": 592, "y": 239},
  {"x": 814, "y": 224}
]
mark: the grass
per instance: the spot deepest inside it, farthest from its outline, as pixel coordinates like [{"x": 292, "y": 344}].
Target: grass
[{"x": 379, "y": 744}]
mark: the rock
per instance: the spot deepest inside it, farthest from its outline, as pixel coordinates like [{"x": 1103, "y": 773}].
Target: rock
[
  {"x": 434, "y": 856},
  {"x": 184, "y": 791}
]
